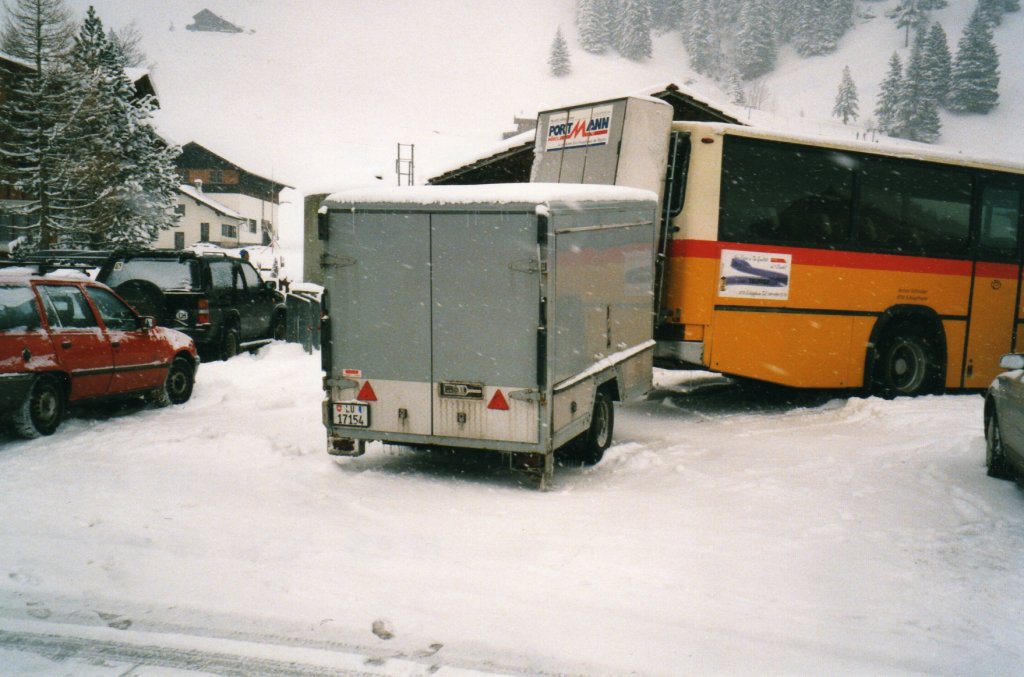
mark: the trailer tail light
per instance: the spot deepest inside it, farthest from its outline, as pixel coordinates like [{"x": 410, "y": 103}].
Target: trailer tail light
[
  {"x": 203, "y": 311},
  {"x": 498, "y": 402},
  {"x": 366, "y": 393}
]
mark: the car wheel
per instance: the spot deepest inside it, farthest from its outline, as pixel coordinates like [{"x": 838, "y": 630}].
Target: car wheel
[
  {"x": 42, "y": 410},
  {"x": 589, "y": 448},
  {"x": 995, "y": 453},
  {"x": 177, "y": 388},
  {"x": 906, "y": 364},
  {"x": 229, "y": 344}
]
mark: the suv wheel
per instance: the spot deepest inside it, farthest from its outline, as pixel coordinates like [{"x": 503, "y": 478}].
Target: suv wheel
[
  {"x": 229, "y": 344},
  {"x": 42, "y": 410}
]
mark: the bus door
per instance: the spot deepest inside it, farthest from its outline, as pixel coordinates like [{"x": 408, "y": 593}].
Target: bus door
[{"x": 996, "y": 292}]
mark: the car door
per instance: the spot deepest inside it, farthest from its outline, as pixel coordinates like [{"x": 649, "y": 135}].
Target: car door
[
  {"x": 257, "y": 304},
  {"x": 140, "y": 360},
  {"x": 81, "y": 346}
]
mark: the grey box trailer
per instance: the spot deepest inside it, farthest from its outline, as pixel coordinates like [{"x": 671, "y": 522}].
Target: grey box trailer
[{"x": 497, "y": 317}]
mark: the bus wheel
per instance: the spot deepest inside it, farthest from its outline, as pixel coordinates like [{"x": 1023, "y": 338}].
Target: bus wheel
[{"x": 906, "y": 363}]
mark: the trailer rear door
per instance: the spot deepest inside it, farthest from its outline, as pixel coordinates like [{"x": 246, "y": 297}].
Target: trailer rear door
[
  {"x": 485, "y": 303},
  {"x": 439, "y": 314}
]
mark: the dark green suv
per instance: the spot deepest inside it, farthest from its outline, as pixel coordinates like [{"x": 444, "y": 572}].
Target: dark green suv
[{"x": 218, "y": 300}]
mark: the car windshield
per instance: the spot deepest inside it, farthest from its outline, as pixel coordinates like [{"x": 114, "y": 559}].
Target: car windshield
[
  {"x": 17, "y": 309},
  {"x": 168, "y": 274}
]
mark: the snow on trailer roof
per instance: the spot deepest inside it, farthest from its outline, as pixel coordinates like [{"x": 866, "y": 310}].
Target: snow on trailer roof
[{"x": 491, "y": 193}]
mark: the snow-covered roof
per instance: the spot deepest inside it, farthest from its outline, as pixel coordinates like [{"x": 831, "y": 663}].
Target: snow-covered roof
[
  {"x": 205, "y": 199},
  {"x": 16, "y": 60},
  {"x": 490, "y": 193}
]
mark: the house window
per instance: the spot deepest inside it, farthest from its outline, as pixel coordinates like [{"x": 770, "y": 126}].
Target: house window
[
  {"x": 227, "y": 230},
  {"x": 179, "y": 209},
  {"x": 204, "y": 232},
  {"x": 252, "y": 225},
  {"x": 179, "y": 240}
]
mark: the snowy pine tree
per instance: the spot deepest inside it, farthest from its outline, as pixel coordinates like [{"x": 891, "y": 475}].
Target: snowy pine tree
[
  {"x": 120, "y": 179},
  {"x": 755, "y": 49},
  {"x": 846, "y": 105},
  {"x": 595, "y": 26},
  {"x": 974, "y": 87},
  {"x": 820, "y": 25},
  {"x": 559, "y": 60},
  {"x": 938, "y": 63},
  {"x": 913, "y": 14},
  {"x": 701, "y": 38},
  {"x": 888, "y": 104},
  {"x": 38, "y": 32},
  {"x": 918, "y": 116},
  {"x": 635, "y": 30}
]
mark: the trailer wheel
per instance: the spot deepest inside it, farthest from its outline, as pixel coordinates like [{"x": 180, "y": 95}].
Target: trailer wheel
[{"x": 589, "y": 448}]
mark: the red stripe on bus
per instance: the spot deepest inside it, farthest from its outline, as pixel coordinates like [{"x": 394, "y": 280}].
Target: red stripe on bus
[
  {"x": 1003, "y": 270},
  {"x": 711, "y": 249}
]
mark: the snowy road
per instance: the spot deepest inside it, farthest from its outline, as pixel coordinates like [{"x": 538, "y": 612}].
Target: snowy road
[{"x": 731, "y": 529}]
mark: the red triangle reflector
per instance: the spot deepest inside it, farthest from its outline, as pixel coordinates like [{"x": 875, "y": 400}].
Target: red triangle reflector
[
  {"x": 366, "y": 393},
  {"x": 498, "y": 402}
]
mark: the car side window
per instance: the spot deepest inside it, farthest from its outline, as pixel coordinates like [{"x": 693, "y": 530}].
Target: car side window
[
  {"x": 18, "y": 310},
  {"x": 115, "y": 313},
  {"x": 66, "y": 307},
  {"x": 252, "y": 278}
]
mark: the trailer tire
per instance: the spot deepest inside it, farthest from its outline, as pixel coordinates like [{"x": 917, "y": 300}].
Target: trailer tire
[{"x": 589, "y": 448}]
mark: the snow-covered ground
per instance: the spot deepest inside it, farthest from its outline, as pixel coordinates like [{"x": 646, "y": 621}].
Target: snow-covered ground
[{"x": 732, "y": 529}]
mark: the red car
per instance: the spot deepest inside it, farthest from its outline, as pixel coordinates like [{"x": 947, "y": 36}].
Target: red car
[{"x": 68, "y": 339}]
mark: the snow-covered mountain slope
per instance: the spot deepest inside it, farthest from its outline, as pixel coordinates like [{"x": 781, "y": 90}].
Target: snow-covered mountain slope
[{"x": 317, "y": 94}]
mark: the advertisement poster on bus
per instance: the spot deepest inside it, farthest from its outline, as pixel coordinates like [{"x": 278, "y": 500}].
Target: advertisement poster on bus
[
  {"x": 580, "y": 127},
  {"x": 754, "y": 275}
]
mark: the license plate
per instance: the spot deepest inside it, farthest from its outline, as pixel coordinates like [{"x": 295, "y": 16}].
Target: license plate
[{"x": 352, "y": 415}]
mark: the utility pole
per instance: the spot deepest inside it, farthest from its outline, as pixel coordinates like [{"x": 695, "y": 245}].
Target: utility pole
[{"x": 404, "y": 163}]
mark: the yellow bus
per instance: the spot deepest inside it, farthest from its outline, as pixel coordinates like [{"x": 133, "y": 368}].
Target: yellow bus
[{"x": 828, "y": 264}]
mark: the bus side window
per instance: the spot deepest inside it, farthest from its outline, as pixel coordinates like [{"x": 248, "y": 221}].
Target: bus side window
[{"x": 1000, "y": 221}]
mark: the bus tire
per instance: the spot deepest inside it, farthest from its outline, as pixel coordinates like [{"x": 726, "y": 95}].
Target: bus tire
[
  {"x": 589, "y": 448},
  {"x": 906, "y": 362}
]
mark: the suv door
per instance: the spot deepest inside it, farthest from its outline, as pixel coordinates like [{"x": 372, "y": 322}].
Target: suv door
[
  {"x": 257, "y": 304},
  {"x": 139, "y": 362},
  {"x": 79, "y": 342}
]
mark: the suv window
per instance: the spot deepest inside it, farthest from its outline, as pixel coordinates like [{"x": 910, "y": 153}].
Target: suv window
[
  {"x": 66, "y": 307},
  {"x": 18, "y": 309},
  {"x": 224, "y": 274},
  {"x": 115, "y": 314},
  {"x": 164, "y": 273},
  {"x": 252, "y": 278}
]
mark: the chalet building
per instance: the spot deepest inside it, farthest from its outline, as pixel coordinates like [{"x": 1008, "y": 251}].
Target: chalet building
[
  {"x": 201, "y": 218},
  {"x": 210, "y": 22},
  {"x": 12, "y": 202},
  {"x": 512, "y": 161},
  {"x": 242, "y": 207}
]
